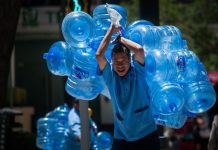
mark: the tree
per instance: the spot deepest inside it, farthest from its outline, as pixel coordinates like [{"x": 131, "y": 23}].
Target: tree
[
  {"x": 9, "y": 14},
  {"x": 133, "y": 11},
  {"x": 194, "y": 20}
]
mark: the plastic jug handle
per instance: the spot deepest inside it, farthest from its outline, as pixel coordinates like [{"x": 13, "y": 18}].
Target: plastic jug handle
[{"x": 114, "y": 15}]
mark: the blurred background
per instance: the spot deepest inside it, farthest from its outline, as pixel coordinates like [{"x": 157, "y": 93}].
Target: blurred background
[{"x": 28, "y": 90}]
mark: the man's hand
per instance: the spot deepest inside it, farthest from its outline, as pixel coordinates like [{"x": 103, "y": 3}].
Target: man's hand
[
  {"x": 78, "y": 138},
  {"x": 115, "y": 28}
]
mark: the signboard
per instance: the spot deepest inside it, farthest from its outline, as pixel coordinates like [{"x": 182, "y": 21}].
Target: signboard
[{"x": 40, "y": 20}]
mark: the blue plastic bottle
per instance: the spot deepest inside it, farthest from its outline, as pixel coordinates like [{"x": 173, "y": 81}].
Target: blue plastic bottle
[
  {"x": 175, "y": 120},
  {"x": 45, "y": 133},
  {"x": 83, "y": 81},
  {"x": 102, "y": 19},
  {"x": 59, "y": 58},
  {"x": 200, "y": 94},
  {"x": 58, "y": 137},
  {"x": 192, "y": 68},
  {"x": 169, "y": 37},
  {"x": 102, "y": 22},
  {"x": 61, "y": 113},
  {"x": 77, "y": 29},
  {"x": 141, "y": 32},
  {"x": 166, "y": 97},
  {"x": 157, "y": 65},
  {"x": 103, "y": 141},
  {"x": 183, "y": 66}
]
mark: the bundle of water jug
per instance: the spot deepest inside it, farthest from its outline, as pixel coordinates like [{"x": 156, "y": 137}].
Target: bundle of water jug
[
  {"x": 178, "y": 82},
  {"x": 53, "y": 131}
]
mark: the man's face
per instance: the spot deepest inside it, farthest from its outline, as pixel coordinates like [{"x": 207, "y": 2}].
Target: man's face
[{"x": 121, "y": 63}]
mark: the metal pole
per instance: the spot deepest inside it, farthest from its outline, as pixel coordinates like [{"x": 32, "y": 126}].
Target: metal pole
[
  {"x": 12, "y": 77},
  {"x": 84, "y": 119}
]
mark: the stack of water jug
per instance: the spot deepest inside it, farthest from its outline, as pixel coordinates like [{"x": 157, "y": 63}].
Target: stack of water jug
[
  {"x": 178, "y": 83},
  {"x": 51, "y": 132},
  {"x": 51, "y": 129}
]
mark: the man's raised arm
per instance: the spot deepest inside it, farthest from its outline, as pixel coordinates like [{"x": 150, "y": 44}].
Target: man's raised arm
[
  {"x": 100, "y": 53},
  {"x": 136, "y": 48}
]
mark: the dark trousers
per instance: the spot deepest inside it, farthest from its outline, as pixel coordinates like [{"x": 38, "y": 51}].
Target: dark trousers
[{"x": 149, "y": 142}]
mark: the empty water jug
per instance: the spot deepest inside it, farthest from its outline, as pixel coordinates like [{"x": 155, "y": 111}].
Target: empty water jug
[
  {"x": 83, "y": 81},
  {"x": 141, "y": 33},
  {"x": 200, "y": 96},
  {"x": 59, "y": 58},
  {"x": 45, "y": 133},
  {"x": 176, "y": 120},
  {"x": 77, "y": 29},
  {"x": 103, "y": 141},
  {"x": 157, "y": 65},
  {"x": 102, "y": 19},
  {"x": 183, "y": 66},
  {"x": 167, "y": 98}
]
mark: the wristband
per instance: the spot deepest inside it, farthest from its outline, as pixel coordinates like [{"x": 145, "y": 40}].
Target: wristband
[{"x": 118, "y": 39}]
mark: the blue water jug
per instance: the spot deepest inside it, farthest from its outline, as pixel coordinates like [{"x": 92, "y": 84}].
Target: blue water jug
[
  {"x": 102, "y": 22},
  {"x": 168, "y": 37},
  {"x": 59, "y": 132},
  {"x": 157, "y": 65},
  {"x": 141, "y": 32},
  {"x": 166, "y": 97},
  {"x": 177, "y": 66},
  {"x": 183, "y": 66},
  {"x": 103, "y": 141},
  {"x": 192, "y": 68},
  {"x": 200, "y": 96},
  {"x": 45, "y": 133},
  {"x": 83, "y": 82},
  {"x": 77, "y": 28},
  {"x": 175, "y": 120},
  {"x": 202, "y": 73},
  {"x": 59, "y": 58},
  {"x": 61, "y": 113},
  {"x": 102, "y": 19}
]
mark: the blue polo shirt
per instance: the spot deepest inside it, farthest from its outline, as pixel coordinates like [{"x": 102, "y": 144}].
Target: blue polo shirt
[{"x": 129, "y": 94}]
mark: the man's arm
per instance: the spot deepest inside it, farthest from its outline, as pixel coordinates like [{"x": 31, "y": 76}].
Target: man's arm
[
  {"x": 100, "y": 54},
  {"x": 136, "y": 48}
]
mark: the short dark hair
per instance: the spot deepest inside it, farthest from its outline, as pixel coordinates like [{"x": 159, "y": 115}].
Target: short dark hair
[{"x": 119, "y": 48}]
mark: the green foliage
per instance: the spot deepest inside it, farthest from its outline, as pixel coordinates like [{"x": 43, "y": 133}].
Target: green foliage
[
  {"x": 194, "y": 20},
  {"x": 132, "y": 10}
]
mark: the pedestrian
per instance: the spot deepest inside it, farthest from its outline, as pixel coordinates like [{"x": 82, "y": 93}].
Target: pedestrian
[{"x": 73, "y": 133}]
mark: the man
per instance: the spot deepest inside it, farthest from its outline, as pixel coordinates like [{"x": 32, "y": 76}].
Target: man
[
  {"x": 134, "y": 127},
  {"x": 73, "y": 133}
]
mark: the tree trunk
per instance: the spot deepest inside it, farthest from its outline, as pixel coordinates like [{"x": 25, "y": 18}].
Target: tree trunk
[
  {"x": 9, "y": 15},
  {"x": 149, "y": 10}
]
